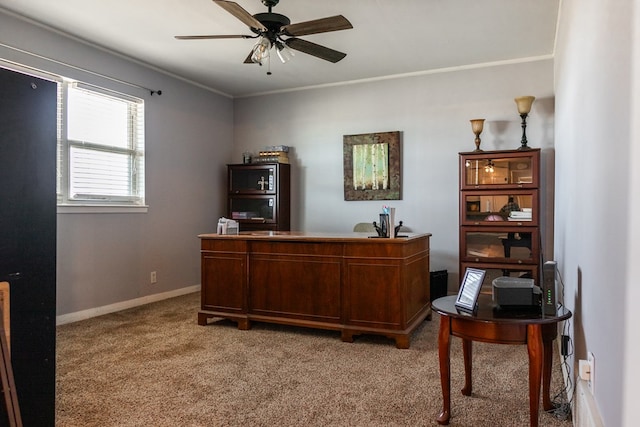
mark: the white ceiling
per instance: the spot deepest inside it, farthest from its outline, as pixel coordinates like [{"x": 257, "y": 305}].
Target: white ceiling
[{"x": 390, "y": 37}]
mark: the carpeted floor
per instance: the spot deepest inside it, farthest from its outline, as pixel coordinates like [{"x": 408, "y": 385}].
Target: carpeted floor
[{"x": 154, "y": 366}]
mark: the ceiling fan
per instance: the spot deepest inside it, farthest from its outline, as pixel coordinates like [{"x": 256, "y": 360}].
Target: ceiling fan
[{"x": 276, "y": 30}]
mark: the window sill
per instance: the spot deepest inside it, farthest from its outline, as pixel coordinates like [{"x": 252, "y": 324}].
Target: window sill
[{"x": 97, "y": 209}]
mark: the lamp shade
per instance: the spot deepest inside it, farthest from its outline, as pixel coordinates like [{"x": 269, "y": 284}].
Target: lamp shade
[
  {"x": 477, "y": 125},
  {"x": 524, "y": 104}
]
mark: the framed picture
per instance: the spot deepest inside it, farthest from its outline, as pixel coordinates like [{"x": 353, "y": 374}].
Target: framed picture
[
  {"x": 469, "y": 289},
  {"x": 372, "y": 166}
]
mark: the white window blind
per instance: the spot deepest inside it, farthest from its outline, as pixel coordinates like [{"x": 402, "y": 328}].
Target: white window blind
[{"x": 101, "y": 147}]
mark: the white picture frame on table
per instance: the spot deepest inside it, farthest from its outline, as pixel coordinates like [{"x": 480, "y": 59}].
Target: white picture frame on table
[{"x": 470, "y": 289}]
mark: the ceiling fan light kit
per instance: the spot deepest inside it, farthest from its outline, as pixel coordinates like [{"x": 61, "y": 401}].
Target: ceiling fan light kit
[
  {"x": 274, "y": 29},
  {"x": 261, "y": 50},
  {"x": 284, "y": 53}
]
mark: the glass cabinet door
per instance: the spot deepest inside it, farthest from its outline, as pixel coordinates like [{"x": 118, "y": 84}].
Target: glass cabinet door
[
  {"x": 516, "y": 169},
  {"x": 518, "y": 207},
  {"x": 478, "y": 244},
  {"x": 258, "y": 179},
  {"x": 253, "y": 208}
]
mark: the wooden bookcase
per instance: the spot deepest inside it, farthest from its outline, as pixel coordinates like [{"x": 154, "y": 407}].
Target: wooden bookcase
[
  {"x": 502, "y": 241},
  {"x": 259, "y": 196}
]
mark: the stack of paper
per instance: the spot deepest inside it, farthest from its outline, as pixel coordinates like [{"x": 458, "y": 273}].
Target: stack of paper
[{"x": 520, "y": 215}]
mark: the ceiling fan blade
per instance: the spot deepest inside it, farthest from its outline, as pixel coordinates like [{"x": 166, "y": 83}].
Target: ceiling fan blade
[
  {"x": 324, "y": 25},
  {"x": 315, "y": 50},
  {"x": 205, "y": 37},
  {"x": 236, "y": 10}
]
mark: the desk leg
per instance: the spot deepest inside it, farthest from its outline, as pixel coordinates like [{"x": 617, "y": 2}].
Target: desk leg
[
  {"x": 467, "y": 351},
  {"x": 444, "y": 346},
  {"x": 535, "y": 348}
]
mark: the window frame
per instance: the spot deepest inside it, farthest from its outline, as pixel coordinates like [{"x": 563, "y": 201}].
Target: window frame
[{"x": 135, "y": 201}]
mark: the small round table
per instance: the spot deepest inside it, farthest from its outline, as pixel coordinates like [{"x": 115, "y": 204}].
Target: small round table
[{"x": 493, "y": 325}]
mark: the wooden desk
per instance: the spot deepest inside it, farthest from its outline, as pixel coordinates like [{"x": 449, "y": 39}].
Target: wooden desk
[
  {"x": 534, "y": 329},
  {"x": 349, "y": 282}
]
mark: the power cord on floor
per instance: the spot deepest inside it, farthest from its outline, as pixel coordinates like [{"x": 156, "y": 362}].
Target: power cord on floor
[{"x": 563, "y": 399}]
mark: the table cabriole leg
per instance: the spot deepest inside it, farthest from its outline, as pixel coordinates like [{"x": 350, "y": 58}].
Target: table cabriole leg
[
  {"x": 467, "y": 351},
  {"x": 444, "y": 346},
  {"x": 535, "y": 349},
  {"x": 547, "y": 366}
]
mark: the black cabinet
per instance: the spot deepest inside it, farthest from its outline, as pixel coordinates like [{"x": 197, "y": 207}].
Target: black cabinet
[
  {"x": 259, "y": 196},
  {"x": 28, "y": 237}
]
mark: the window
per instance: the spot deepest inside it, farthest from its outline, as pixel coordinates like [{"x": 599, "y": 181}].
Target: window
[{"x": 100, "y": 147}]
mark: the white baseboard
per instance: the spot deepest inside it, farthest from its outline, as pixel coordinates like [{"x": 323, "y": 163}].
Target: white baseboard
[
  {"x": 119, "y": 306},
  {"x": 586, "y": 412}
]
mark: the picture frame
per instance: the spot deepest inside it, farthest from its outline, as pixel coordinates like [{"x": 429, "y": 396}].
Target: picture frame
[
  {"x": 372, "y": 166},
  {"x": 470, "y": 289}
]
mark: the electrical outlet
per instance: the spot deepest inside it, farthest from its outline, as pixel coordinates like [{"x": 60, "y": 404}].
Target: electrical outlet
[
  {"x": 154, "y": 277},
  {"x": 592, "y": 372}
]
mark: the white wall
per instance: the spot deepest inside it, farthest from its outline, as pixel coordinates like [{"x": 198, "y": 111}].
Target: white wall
[
  {"x": 105, "y": 259},
  {"x": 432, "y": 111},
  {"x": 632, "y": 314},
  {"x": 595, "y": 191}
]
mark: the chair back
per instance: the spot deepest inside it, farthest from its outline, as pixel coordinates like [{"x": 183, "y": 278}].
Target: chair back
[{"x": 364, "y": 227}]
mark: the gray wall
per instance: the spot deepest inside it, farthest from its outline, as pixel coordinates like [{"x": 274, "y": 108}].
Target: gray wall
[
  {"x": 106, "y": 258},
  {"x": 597, "y": 193},
  {"x": 432, "y": 111}
]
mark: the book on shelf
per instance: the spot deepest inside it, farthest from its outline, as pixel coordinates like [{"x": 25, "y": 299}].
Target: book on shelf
[
  {"x": 520, "y": 215},
  {"x": 283, "y": 148},
  {"x": 272, "y": 158},
  {"x": 244, "y": 215}
]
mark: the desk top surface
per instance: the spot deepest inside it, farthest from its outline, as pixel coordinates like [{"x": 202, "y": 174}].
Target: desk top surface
[
  {"x": 489, "y": 312},
  {"x": 314, "y": 236}
]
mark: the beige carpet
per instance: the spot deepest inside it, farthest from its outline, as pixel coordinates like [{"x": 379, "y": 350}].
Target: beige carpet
[{"x": 154, "y": 366}]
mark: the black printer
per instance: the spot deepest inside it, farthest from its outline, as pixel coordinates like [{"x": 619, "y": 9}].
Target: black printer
[{"x": 516, "y": 292}]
